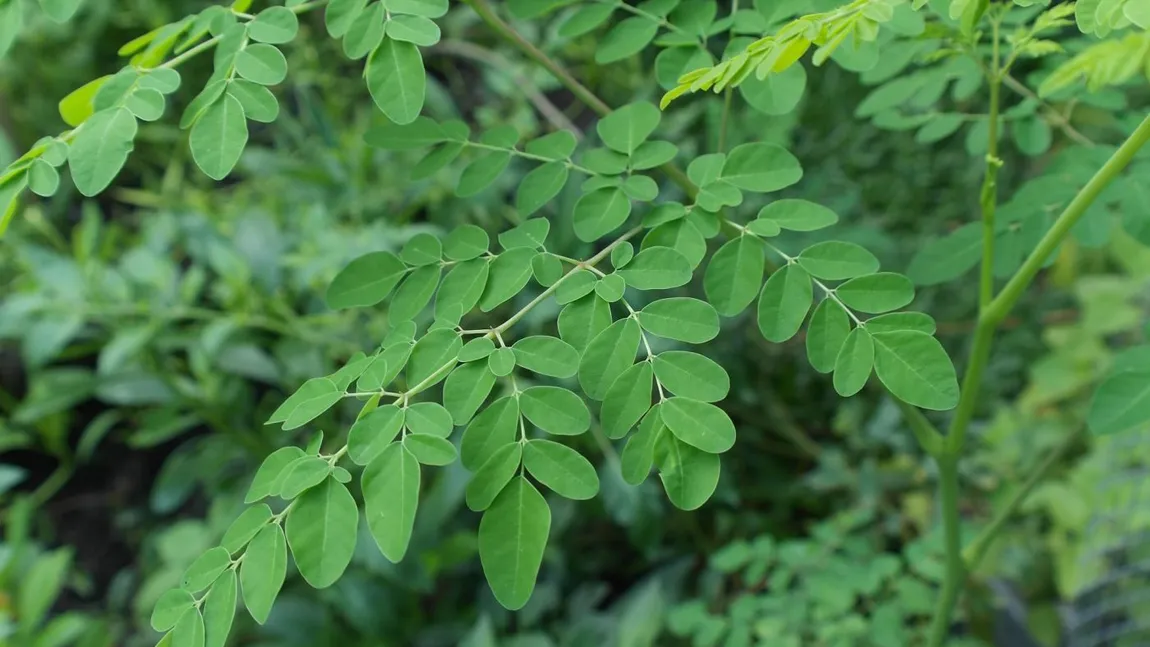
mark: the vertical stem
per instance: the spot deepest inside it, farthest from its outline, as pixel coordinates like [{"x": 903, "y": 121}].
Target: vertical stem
[
  {"x": 989, "y": 195},
  {"x": 955, "y": 573}
]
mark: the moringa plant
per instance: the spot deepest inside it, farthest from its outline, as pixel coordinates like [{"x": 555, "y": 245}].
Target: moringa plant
[{"x": 455, "y": 378}]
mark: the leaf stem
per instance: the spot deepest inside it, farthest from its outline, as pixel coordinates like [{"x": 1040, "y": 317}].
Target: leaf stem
[{"x": 955, "y": 570}]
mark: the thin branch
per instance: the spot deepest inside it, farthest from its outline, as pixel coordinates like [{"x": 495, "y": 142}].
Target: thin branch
[{"x": 1057, "y": 117}]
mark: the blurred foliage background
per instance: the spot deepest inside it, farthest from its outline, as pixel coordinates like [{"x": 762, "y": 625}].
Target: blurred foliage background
[{"x": 146, "y": 335}]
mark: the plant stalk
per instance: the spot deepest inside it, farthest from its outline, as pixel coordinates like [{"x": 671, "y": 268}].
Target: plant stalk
[{"x": 955, "y": 570}]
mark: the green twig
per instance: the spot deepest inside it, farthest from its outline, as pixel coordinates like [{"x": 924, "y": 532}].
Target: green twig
[{"x": 955, "y": 572}]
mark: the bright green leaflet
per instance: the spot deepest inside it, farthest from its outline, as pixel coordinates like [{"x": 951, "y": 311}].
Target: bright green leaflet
[
  {"x": 219, "y": 137},
  {"x": 657, "y": 268},
  {"x": 784, "y": 302},
  {"x": 734, "y": 275},
  {"x": 321, "y": 530},
  {"x": 547, "y": 356},
  {"x": 495, "y": 474},
  {"x": 219, "y": 610},
  {"x": 189, "y": 631},
  {"x": 699, "y": 424},
  {"x": 396, "y": 80},
  {"x": 305, "y": 473},
  {"x": 761, "y": 168},
  {"x": 600, "y": 212},
  {"x": 607, "y": 355},
  {"x": 555, "y": 410},
  {"x": 1122, "y": 402},
  {"x": 262, "y": 64},
  {"x": 501, "y": 362},
  {"x": 493, "y": 428},
  {"x": 429, "y": 418},
  {"x": 414, "y": 293},
  {"x": 627, "y": 400},
  {"x": 876, "y": 293},
  {"x": 391, "y": 496},
  {"x": 639, "y": 453},
  {"x": 430, "y": 450},
  {"x": 373, "y": 433},
  {"x": 201, "y": 573},
  {"x": 263, "y": 571},
  {"x": 681, "y": 318},
  {"x": 512, "y": 537},
  {"x": 430, "y": 354},
  {"x": 626, "y": 128},
  {"x": 692, "y": 375},
  {"x": 245, "y": 527},
  {"x": 538, "y": 187},
  {"x": 510, "y": 272},
  {"x": 100, "y": 149},
  {"x": 267, "y": 479},
  {"x": 466, "y": 389},
  {"x": 561, "y": 468},
  {"x": 798, "y": 215},
  {"x": 365, "y": 281},
  {"x": 583, "y": 320},
  {"x": 463, "y": 286},
  {"x": 828, "y": 329},
  {"x": 835, "y": 260},
  {"x": 916, "y": 369},
  {"x": 689, "y": 475},
  {"x": 170, "y": 607}
]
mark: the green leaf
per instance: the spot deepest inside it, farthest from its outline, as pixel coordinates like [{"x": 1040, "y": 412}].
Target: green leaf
[
  {"x": 385, "y": 367},
  {"x": 304, "y": 473},
  {"x": 531, "y": 234},
  {"x": 100, "y": 149},
  {"x": 396, "y": 80},
  {"x": 600, "y": 212},
  {"x": 481, "y": 172},
  {"x": 414, "y": 293},
  {"x": 830, "y": 324},
  {"x": 365, "y": 281},
  {"x": 373, "y": 433},
  {"x": 778, "y": 93},
  {"x": 463, "y": 286},
  {"x": 493, "y": 428},
  {"x": 269, "y": 476},
  {"x": 626, "y": 128},
  {"x": 510, "y": 273},
  {"x": 466, "y": 389},
  {"x": 391, "y": 497},
  {"x": 835, "y": 260},
  {"x": 641, "y": 187},
  {"x": 245, "y": 527},
  {"x": 189, "y": 631},
  {"x": 916, "y": 369},
  {"x": 43, "y": 179},
  {"x": 202, "y": 572},
  {"x": 202, "y": 101},
  {"x": 699, "y": 424},
  {"x": 901, "y": 321},
  {"x": 263, "y": 571},
  {"x": 689, "y": 475},
  {"x": 262, "y": 64},
  {"x": 493, "y": 476},
  {"x": 476, "y": 349},
  {"x": 465, "y": 243},
  {"x": 652, "y": 154},
  {"x": 316, "y": 396},
  {"x": 321, "y": 530},
  {"x": 947, "y": 258},
  {"x": 538, "y": 187},
  {"x": 876, "y": 293},
  {"x": 657, "y": 268},
  {"x": 555, "y": 410},
  {"x": 170, "y": 607},
  {"x": 547, "y": 356},
  {"x": 219, "y": 137},
  {"x": 341, "y": 15},
  {"x": 639, "y": 453},
  {"x": 429, "y": 418},
  {"x": 557, "y": 145},
  {"x": 220, "y": 610},
  {"x": 607, "y": 356},
  {"x": 421, "y": 249},
  {"x": 582, "y": 320},
  {"x": 798, "y": 215},
  {"x": 578, "y": 284},
  {"x": 622, "y": 254},
  {"x": 585, "y": 20},
  {"x": 425, "y": 8},
  {"x": 784, "y": 302},
  {"x": 611, "y": 288},
  {"x": 627, "y": 38},
  {"x": 627, "y": 400},
  {"x": 60, "y": 10},
  {"x": 502, "y": 362},
  {"x": 681, "y": 318},
  {"x": 691, "y": 375},
  {"x": 1121, "y": 403},
  {"x": 413, "y": 29},
  {"x": 430, "y": 450},
  {"x": 734, "y": 275},
  {"x": 146, "y": 104},
  {"x": 761, "y": 168},
  {"x": 274, "y": 25},
  {"x": 258, "y": 102},
  {"x": 512, "y": 538},
  {"x": 432, "y": 356},
  {"x": 604, "y": 161},
  {"x": 561, "y": 468}
]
